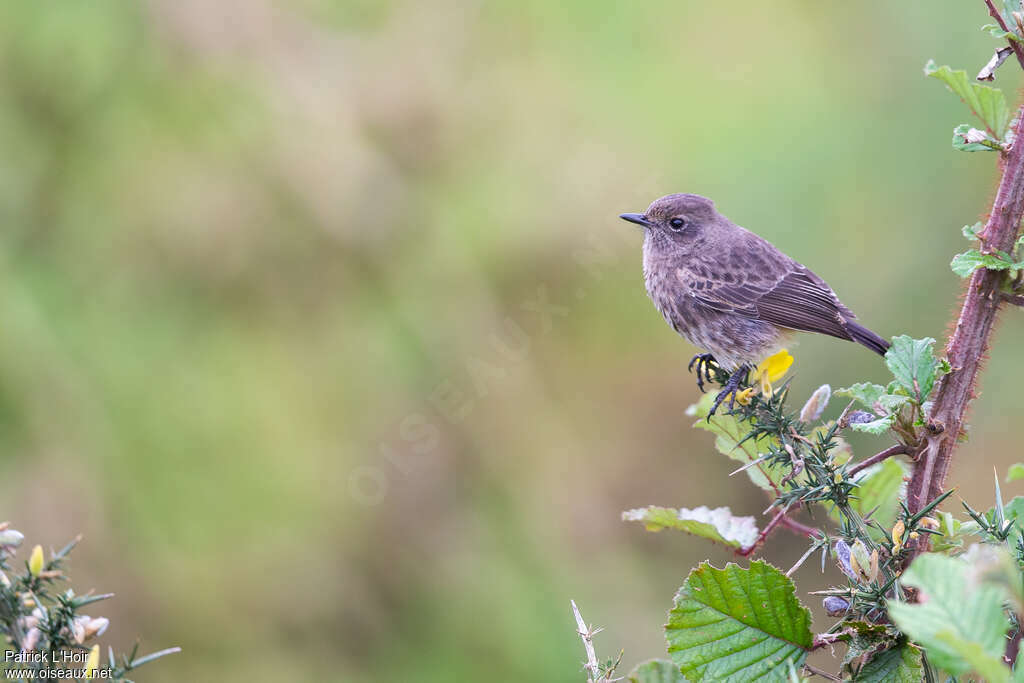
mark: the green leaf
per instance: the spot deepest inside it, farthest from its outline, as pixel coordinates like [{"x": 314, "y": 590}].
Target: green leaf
[
  {"x": 738, "y": 625},
  {"x": 1014, "y": 510},
  {"x": 897, "y": 665},
  {"x": 990, "y": 668},
  {"x": 988, "y": 104},
  {"x": 956, "y": 616},
  {"x": 881, "y": 486},
  {"x": 718, "y": 525},
  {"x": 966, "y": 263},
  {"x": 967, "y": 138},
  {"x": 878, "y": 426},
  {"x": 996, "y": 32},
  {"x": 656, "y": 671},
  {"x": 971, "y": 231},
  {"x": 877, "y": 399},
  {"x": 729, "y": 432},
  {"x": 866, "y": 640},
  {"x": 912, "y": 364},
  {"x": 1015, "y": 472},
  {"x": 865, "y": 393}
]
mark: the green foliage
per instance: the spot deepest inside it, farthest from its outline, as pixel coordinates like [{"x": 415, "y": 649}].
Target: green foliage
[
  {"x": 897, "y": 665},
  {"x": 966, "y": 138},
  {"x": 900, "y": 664},
  {"x": 884, "y": 402},
  {"x": 996, "y": 32},
  {"x": 913, "y": 365},
  {"x": 731, "y": 439},
  {"x": 987, "y": 103},
  {"x": 718, "y": 525},
  {"x": 969, "y": 261},
  {"x": 876, "y": 426},
  {"x": 737, "y": 624},
  {"x": 656, "y": 671},
  {"x": 959, "y": 621},
  {"x": 1015, "y": 472},
  {"x": 37, "y": 618},
  {"x": 879, "y": 491}
]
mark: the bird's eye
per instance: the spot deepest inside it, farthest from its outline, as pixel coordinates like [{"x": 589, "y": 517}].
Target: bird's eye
[{"x": 677, "y": 223}]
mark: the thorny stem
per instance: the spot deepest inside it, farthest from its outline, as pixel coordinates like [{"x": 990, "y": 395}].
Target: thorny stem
[
  {"x": 783, "y": 520},
  {"x": 898, "y": 449},
  {"x": 587, "y": 634},
  {"x": 1015, "y": 299},
  {"x": 1017, "y": 50},
  {"x": 970, "y": 338},
  {"x": 800, "y": 528},
  {"x": 749, "y": 550},
  {"x": 824, "y": 674}
]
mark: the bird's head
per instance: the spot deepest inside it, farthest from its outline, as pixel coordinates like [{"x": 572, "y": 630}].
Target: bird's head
[{"x": 677, "y": 217}]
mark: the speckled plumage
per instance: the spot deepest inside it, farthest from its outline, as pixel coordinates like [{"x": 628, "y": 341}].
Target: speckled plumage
[{"x": 730, "y": 292}]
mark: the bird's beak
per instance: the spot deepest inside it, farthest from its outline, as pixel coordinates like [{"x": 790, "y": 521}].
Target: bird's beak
[{"x": 637, "y": 218}]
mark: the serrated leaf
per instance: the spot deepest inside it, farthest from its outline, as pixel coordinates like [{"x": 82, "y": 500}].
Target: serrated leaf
[
  {"x": 718, "y": 525},
  {"x": 988, "y": 104},
  {"x": 1015, "y": 472},
  {"x": 736, "y": 625},
  {"x": 971, "y": 231},
  {"x": 901, "y": 664},
  {"x": 877, "y": 426},
  {"x": 954, "y": 613},
  {"x": 656, "y": 671},
  {"x": 729, "y": 431},
  {"x": 996, "y": 32},
  {"x": 966, "y": 263},
  {"x": 966, "y": 138},
  {"x": 913, "y": 365},
  {"x": 865, "y": 393},
  {"x": 864, "y": 639}
]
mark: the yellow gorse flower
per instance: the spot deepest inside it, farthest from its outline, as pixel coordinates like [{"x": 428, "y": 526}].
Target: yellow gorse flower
[
  {"x": 92, "y": 662},
  {"x": 772, "y": 369},
  {"x": 35, "y": 561}
]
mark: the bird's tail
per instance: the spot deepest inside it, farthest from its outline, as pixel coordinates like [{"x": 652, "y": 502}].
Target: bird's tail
[{"x": 863, "y": 335}]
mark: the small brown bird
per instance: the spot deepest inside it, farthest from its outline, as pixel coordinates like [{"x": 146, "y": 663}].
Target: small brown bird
[{"x": 728, "y": 291}]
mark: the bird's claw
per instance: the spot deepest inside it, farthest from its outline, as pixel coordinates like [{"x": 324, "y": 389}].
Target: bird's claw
[
  {"x": 731, "y": 388},
  {"x": 704, "y": 362}
]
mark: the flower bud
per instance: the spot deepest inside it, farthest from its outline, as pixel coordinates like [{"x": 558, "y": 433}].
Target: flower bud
[
  {"x": 31, "y": 639},
  {"x": 835, "y": 606},
  {"x": 11, "y": 537},
  {"x": 929, "y": 523},
  {"x": 35, "y": 562},
  {"x": 816, "y": 404},
  {"x": 897, "y": 536},
  {"x": 843, "y": 555},
  {"x": 77, "y": 629},
  {"x": 90, "y": 626}
]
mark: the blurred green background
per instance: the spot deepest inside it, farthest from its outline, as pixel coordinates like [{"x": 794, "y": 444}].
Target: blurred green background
[{"x": 269, "y": 286}]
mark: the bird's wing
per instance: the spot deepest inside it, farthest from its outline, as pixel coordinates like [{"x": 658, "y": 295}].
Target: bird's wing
[{"x": 767, "y": 285}]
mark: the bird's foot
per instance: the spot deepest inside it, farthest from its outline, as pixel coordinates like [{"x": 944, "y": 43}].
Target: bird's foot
[
  {"x": 705, "y": 363},
  {"x": 731, "y": 388}
]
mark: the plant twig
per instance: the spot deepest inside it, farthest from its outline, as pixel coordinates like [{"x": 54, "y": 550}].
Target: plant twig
[
  {"x": 1015, "y": 299},
  {"x": 970, "y": 339},
  {"x": 898, "y": 449},
  {"x": 800, "y": 528},
  {"x": 824, "y": 674},
  {"x": 780, "y": 519},
  {"x": 587, "y": 634},
  {"x": 1002, "y": 24}
]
